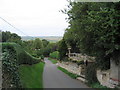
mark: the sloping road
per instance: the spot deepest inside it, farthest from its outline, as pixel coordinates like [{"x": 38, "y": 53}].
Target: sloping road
[{"x": 54, "y": 78}]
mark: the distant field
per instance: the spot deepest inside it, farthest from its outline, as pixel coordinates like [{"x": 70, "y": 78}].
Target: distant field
[{"x": 49, "y": 38}]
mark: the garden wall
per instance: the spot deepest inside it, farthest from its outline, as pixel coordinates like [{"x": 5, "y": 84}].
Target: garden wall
[
  {"x": 114, "y": 73},
  {"x": 104, "y": 77},
  {"x": 109, "y": 78},
  {"x": 71, "y": 67}
]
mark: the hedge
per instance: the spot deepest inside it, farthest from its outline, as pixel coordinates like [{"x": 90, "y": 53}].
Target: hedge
[{"x": 22, "y": 56}]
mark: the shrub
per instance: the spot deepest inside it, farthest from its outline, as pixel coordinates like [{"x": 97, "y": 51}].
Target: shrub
[
  {"x": 65, "y": 59},
  {"x": 42, "y": 57},
  {"x": 26, "y": 58},
  {"x": 62, "y": 49},
  {"x": 54, "y": 55},
  {"x": 13, "y": 56},
  {"x": 90, "y": 73},
  {"x": 45, "y": 51},
  {"x": 34, "y": 55},
  {"x": 80, "y": 62},
  {"x": 10, "y": 67},
  {"x": 22, "y": 56}
]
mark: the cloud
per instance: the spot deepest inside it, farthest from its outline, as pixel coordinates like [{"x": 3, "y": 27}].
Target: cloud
[{"x": 34, "y": 15}]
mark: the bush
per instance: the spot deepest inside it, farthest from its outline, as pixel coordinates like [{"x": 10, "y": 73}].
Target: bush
[
  {"x": 42, "y": 57},
  {"x": 90, "y": 73},
  {"x": 34, "y": 55},
  {"x": 26, "y": 58},
  {"x": 54, "y": 55},
  {"x": 80, "y": 62},
  {"x": 62, "y": 49},
  {"x": 65, "y": 59},
  {"x": 22, "y": 56},
  {"x": 13, "y": 56},
  {"x": 45, "y": 51},
  {"x": 10, "y": 67}
]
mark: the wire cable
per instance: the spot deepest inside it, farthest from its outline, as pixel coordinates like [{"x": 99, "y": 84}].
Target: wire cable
[{"x": 14, "y": 27}]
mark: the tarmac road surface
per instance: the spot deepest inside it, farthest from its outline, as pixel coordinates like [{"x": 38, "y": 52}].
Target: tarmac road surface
[{"x": 54, "y": 78}]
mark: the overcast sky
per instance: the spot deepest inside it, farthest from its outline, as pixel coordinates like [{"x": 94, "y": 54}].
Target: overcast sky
[{"x": 34, "y": 17}]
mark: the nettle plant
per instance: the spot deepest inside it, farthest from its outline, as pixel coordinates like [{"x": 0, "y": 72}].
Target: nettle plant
[{"x": 10, "y": 69}]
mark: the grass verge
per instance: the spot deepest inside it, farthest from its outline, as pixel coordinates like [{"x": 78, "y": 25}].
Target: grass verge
[
  {"x": 97, "y": 85},
  {"x": 54, "y": 61},
  {"x": 74, "y": 76},
  {"x": 31, "y": 75}
]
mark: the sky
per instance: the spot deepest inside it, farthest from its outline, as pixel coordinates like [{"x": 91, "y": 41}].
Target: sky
[{"x": 34, "y": 17}]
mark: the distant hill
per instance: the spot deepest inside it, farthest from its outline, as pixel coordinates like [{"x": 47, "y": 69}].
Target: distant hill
[{"x": 49, "y": 38}]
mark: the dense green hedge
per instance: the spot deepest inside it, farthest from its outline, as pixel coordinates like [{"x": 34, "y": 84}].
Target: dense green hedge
[
  {"x": 10, "y": 67},
  {"x": 13, "y": 55},
  {"x": 22, "y": 56}
]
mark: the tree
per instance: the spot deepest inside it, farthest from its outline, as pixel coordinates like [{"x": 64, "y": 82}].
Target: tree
[
  {"x": 5, "y": 36},
  {"x": 28, "y": 46},
  {"x": 11, "y": 37},
  {"x": 63, "y": 50},
  {"x": 51, "y": 47},
  {"x": 38, "y": 43},
  {"x": 71, "y": 40},
  {"x": 45, "y": 42},
  {"x": 94, "y": 29}
]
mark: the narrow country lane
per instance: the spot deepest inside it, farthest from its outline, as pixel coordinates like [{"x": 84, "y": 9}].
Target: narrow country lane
[{"x": 54, "y": 78}]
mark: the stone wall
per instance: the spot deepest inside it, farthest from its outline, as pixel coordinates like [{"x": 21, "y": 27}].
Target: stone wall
[
  {"x": 114, "y": 73},
  {"x": 104, "y": 77},
  {"x": 109, "y": 78},
  {"x": 80, "y": 57},
  {"x": 73, "y": 68}
]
